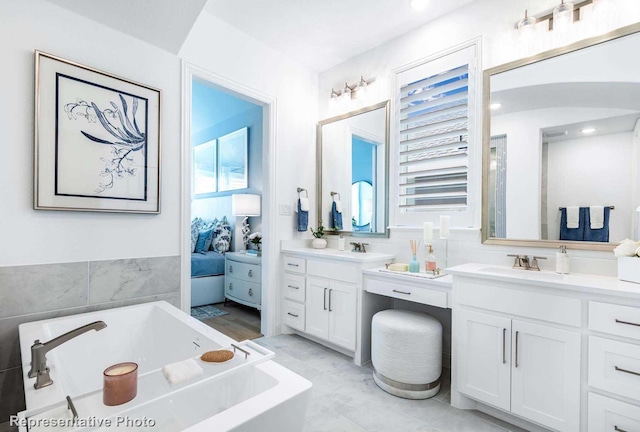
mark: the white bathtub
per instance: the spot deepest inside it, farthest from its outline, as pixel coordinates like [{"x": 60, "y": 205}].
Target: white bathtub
[{"x": 240, "y": 395}]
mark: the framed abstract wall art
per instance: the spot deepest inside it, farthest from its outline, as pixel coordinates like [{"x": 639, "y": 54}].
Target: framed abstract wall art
[{"x": 97, "y": 140}]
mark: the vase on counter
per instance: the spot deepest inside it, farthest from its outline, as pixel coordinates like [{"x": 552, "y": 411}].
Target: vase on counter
[{"x": 319, "y": 243}]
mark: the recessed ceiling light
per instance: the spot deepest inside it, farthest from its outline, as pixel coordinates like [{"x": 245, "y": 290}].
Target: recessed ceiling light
[
  {"x": 588, "y": 131},
  {"x": 419, "y": 4},
  {"x": 495, "y": 106}
]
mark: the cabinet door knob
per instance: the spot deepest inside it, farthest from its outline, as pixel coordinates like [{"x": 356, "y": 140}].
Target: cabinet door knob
[
  {"x": 251, "y": 292},
  {"x": 230, "y": 269},
  {"x": 250, "y": 273},
  {"x": 230, "y": 286}
]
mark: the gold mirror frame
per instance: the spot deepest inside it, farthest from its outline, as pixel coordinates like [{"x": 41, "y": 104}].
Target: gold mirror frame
[
  {"x": 387, "y": 143},
  {"x": 486, "y": 139}
]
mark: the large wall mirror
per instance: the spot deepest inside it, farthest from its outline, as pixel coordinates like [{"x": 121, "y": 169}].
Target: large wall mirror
[
  {"x": 562, "y": 146},
  {"x": 353, "y": 166}
]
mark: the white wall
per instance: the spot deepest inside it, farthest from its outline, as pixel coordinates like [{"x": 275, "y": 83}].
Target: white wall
[
  {"x": 36, "y": 237},
  {"x": 601, "y": 176}
]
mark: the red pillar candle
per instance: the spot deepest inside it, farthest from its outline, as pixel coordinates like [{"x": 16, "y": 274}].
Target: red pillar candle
[{"x": 120, "y": 383}]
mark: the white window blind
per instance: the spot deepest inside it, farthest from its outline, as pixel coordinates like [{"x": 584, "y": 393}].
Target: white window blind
[{"x": 433, "y": 126}]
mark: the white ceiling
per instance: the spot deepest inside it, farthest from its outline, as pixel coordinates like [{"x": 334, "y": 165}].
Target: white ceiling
[
  {"x": 163, "y": 23},
  {"x": 323, "y": 33}
]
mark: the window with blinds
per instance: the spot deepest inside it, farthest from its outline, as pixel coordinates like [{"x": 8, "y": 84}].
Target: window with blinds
[{"x": 434, "y": 135}]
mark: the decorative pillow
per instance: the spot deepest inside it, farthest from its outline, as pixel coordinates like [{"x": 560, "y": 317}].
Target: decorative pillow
[
  {"x": 195, "y": 226},
  {"x": 213, "y": 225},
  {"x": 222, "y": 242},
  {"x": 204, "y": 241}
]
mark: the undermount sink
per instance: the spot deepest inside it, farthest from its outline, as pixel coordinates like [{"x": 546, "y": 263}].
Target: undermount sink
[{"x": 525, "y": 274}]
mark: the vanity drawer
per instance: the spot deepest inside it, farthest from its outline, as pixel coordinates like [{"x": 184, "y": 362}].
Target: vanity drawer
[
  {"x": 294, "y": 315},
  {"x": 615, "y": 367},
  {"x": 607, "y": 414},
  {"x": 615, "y": 319},
  {"x": 506, "y": 298},
  {"x": 243, "y": 271},
  {"x": 294, "y": 287},
  {"x": 295, "y": 265},
  {"x": 333, "y": 270},
  {"x": 407, "y": 292},
  {"x": 242, "y": 290}
]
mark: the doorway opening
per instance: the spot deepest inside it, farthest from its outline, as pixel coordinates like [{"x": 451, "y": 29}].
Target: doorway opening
[{"x": 227, "y": 185}]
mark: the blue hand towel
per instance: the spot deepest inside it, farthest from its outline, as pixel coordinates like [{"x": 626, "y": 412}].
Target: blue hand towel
[
  {"x": 596, "y": 235},
  {"x": 576, "y": 234},
  {"x": 303, "y": 218},
  {"x": 336, "y": 217}
]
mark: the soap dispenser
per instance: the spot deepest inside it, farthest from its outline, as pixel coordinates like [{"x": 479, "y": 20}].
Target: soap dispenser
[{"x": 562, "y": 261}]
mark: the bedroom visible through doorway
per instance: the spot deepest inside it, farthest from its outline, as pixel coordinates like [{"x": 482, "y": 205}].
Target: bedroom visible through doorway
[{"x": 227, "y": 140}]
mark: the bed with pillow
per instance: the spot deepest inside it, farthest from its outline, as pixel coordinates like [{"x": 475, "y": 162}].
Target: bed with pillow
[{"x": 209, "y": 242}]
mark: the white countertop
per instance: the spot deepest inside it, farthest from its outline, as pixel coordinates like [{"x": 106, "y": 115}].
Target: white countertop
[
  {"x": 445, "y": 281},
  {"x": 341, "y": 255},
  {"x": 587, "y": 283}
]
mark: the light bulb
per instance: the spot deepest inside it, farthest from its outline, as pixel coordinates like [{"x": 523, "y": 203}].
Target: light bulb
[
  {"x": 346, "y": 92},
  {"x": 527, "y": 27},
  {"x": 563, "y": 16}
]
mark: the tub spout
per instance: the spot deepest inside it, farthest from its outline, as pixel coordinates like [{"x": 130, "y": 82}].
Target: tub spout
[{"x": 39, "y": 369}]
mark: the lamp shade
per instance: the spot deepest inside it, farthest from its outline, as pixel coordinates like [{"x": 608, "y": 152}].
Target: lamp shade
[{"x": 245, "y": 205}]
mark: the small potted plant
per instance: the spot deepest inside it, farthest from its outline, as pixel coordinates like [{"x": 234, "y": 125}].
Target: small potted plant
[
  {"x": 628, "y": 254},
  {"x": 318, "y": 242},
  {"x": 256, "y": 239}
]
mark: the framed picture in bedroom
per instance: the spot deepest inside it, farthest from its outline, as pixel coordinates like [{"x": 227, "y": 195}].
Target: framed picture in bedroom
[
  {"x": 97, "y": 140},
  {"x": 233, "y": 157}
]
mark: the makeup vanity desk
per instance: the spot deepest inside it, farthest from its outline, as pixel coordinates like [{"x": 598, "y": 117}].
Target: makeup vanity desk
[{"x": 409, "y": 287}]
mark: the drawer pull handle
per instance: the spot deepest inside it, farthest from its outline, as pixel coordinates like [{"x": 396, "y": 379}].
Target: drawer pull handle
[
  {"x": 402, "y": 292},
  {"x": 293, "y": 265},
  {"x": 617, "y": 429},
  {"x": 251, "y": 292},
  {"x": 230, "y": 269},
  {"x": 517, "y": 334},
  {"x": 627, "y": 371},
  {"x": 293, "y": 286},
  {"x": 504, "y": 346},
  {"x": 250, "y": 274},
  {"x": 293, "y": 315},
  {"x": 627, "y": 323}
]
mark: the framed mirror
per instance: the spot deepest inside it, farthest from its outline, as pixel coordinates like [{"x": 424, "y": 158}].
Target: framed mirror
[
  {"x": 353, "y": 166},
  {"x": 561, "y": 146}
]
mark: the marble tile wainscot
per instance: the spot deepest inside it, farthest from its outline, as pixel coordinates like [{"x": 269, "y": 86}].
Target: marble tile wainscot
[{"x": 36, "y": 292}]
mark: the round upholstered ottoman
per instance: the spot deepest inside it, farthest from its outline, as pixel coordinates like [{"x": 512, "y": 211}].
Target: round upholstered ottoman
[{"x": 406, "y": 352}]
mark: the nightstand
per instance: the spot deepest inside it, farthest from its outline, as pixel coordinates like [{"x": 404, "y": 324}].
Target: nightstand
[{"x": 243, "y": 279}]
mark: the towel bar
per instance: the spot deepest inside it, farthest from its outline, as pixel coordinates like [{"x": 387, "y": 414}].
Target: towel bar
[
  {"x": 335, "y": 193},
  {"x": 611, "y": 207},
  {"x": 300, "y": 190}
]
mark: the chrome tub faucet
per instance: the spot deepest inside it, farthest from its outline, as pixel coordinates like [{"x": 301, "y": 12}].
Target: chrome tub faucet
[{"x": 39, "y": 369}]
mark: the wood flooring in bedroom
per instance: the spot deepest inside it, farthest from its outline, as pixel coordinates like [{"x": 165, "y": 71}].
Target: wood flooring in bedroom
[{"x": 241, "y": 323}]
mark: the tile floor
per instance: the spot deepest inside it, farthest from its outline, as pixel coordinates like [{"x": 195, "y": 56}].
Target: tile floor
[{"x": 346, "y": 399}]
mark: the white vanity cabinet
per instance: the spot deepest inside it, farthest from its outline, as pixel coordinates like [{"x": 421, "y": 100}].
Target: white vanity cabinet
[
  {"x": 331, "y": 311},
  {"x": 528, "y": 369},
  {"x": 547, "y": 351},
  {"x": 322, "y": 296}
]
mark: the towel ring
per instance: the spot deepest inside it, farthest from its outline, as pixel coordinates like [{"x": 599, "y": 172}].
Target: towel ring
[
  {"x": 333, "y": 194},
  {"x": 300, "y": 190}
]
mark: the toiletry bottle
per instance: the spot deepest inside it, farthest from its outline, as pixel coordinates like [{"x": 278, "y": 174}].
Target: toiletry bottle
[
  {"x": 414, "y": 265},
  {"x": 341, "y": 242},
  {"x": 430, "y": 260},
  {"x": 562, "y": 261}
]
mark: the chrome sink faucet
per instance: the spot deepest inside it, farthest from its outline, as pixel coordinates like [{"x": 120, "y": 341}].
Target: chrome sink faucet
[
  {"x": 359, "y": 247},
  {"x": 39, "y": 369},
  {"x": 522, "y": 262}
]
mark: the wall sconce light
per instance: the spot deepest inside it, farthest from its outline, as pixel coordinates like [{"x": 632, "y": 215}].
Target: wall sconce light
[
  {"x": 527, "y": 26},
  {"x": 350, "y": 91},
  {"x": 562, "y": 16}
]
